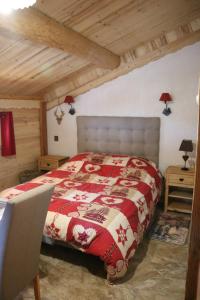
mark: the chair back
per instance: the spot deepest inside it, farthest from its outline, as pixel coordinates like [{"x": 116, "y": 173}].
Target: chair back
[{"x": 21, "y": 229}]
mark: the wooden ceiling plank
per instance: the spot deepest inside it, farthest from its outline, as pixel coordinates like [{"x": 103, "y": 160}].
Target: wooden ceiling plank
[
  {"x": 45, "y": 79},
  {"x": 114, "y": 13},
  {"x": 12, "y": 62},
  {"x": 6, "y": 44},
  {"x": 24, "y": 73},
  {"x": 90, "y": 77},
  {"x": 29, "y": 68},
  {"x": 30, "y": 23},
  {"x": 61, "y": 10},
  {"x": 22, "y": 97},
  {"x": 94, "y": 14},
  {"x": 40, "y": 72},
  {"x": 149, "y": 18},
  {"x": 124, "y": 24},
  {"x": 56, "y": 67},
  {"x": 76, "y": 8}
]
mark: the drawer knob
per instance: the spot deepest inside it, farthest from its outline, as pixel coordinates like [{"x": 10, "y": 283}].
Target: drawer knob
[
  {"x": 48, "y": 164},
  {"x": 181, "y": 179}
]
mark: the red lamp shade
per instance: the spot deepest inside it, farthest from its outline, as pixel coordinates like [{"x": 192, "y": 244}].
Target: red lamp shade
[
  {"x": 165, "y": 97},
  {"x": 69, "y": 99}
]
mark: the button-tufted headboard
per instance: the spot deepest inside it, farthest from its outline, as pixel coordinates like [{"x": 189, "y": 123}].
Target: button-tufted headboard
[{"x": 120, "y": 135}]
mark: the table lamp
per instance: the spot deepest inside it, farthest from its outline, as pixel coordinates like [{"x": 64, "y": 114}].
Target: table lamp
[{"x": 186, "y": 146}]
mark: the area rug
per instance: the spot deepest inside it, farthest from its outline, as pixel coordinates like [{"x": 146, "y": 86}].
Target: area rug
[{"x": 171, "y": 228}]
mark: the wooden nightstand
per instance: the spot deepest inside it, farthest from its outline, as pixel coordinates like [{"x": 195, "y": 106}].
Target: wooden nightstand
[
  {"x": 50, "y": 162},
  {"x": 179, "y": 189}
]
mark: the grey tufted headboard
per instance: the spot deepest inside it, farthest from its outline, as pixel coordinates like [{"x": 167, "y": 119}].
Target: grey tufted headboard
[{"x": 120, "y": 135}]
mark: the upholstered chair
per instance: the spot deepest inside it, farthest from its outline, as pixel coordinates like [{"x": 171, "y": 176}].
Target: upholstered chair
[{"x": 21, "y": 228}]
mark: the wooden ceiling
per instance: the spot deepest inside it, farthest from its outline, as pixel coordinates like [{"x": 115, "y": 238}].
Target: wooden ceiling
[{"x": 69, "y": 46}]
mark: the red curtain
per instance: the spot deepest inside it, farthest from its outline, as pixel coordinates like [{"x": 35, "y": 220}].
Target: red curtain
[{"x": 7, "y": 134}]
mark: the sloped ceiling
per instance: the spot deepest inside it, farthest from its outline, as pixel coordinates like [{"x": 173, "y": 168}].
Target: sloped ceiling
[{"x": 136, "y": 31}]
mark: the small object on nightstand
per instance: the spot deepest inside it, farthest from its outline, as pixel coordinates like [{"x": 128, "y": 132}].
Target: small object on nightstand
[
  {"x": 186, "y": 146},
  {"x": 179, "y": 189},
  {"x": 50, "y": 162}
]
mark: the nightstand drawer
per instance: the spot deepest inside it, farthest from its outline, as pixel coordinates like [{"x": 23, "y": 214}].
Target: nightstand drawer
[
  {"x": 48, "y": 164},
  {"x": 181, "y": 179},
  {"x": 51, "y": 162}
]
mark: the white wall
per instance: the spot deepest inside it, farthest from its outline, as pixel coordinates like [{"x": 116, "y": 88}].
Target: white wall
[{"x": 137, "y": 94}]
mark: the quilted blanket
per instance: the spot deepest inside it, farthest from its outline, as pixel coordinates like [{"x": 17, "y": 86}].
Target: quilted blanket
[{"x": 101, "y": 204}]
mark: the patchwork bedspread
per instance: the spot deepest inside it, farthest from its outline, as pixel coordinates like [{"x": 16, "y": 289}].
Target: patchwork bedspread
[{"x": 101, "y": 205}]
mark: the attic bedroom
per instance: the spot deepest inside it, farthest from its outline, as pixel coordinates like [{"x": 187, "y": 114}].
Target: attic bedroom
[{"x": 99, "y": 149}]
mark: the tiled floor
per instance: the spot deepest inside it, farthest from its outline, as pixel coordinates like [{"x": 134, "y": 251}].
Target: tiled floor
[{"x": 157, "y": 272}]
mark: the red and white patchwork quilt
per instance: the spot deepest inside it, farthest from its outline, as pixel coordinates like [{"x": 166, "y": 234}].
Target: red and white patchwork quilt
[{"x": 101, "y": 204}]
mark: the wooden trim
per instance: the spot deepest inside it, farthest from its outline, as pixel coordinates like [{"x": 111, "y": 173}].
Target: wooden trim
[
  {"x": 32, "y": 24},
  {"x": 36, "y": 284},
  {"x": 193, "y": 276},
  {"x": 15, "y": 97},
  {"x": 198, "y": 282},
  {"x": 90, "y": 77},
  {"x": 43, "y": 129}
]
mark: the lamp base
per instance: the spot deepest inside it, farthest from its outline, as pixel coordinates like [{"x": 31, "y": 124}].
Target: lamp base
[
  {"x": 167, "y": 111},
  {"x": 185, "y": 158},
  {"x": 72, "y": 111},
  {"x": 185, "y": 169}
]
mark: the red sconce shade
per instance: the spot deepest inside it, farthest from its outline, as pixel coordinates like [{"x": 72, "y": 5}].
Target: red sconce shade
[
  {"x": 69, "y": 99},
  {"x": 165, "y": 97}
]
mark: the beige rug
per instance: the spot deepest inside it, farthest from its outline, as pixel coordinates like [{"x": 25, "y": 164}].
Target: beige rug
[{"x": 157, "y": 272}]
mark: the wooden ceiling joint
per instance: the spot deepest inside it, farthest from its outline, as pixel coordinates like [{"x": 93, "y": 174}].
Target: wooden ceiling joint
[{"x": 22, "y": 97}]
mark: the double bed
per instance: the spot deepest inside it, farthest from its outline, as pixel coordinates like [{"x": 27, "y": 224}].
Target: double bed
[{"x": 105, "y": 196}]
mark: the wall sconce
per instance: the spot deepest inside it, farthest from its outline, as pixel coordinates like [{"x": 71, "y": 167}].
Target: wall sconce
[
  {"x": 186, "y": 146},
  {"x": 69, "y": 100},
  {"x": 166, "y": 97}
]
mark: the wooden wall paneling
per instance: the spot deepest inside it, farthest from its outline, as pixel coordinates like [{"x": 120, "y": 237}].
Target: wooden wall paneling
[
  {"x": 198, "y": 283},
  {"x": 43, "y": 129},
  {"x": 26, "y": 115},
  {"x": 193, "y": 273}
]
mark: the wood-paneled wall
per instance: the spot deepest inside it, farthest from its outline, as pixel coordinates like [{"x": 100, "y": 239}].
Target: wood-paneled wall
[{"x": 26, "y": 116}]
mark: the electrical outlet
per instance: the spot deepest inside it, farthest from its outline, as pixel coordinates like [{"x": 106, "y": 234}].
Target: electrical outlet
[{"x": 55, "y": 138}]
